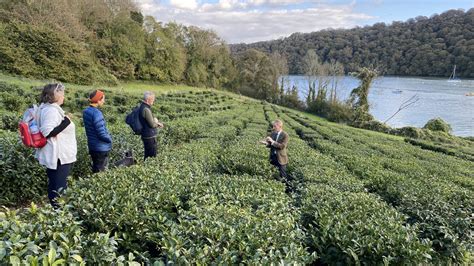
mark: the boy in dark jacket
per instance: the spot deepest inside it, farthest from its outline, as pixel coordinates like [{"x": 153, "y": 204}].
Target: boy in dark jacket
[{"x": 99, "y": 140}]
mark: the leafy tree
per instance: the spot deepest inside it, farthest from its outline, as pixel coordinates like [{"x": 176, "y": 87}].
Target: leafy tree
[
  {"x": 121, "y": 46},
  {"x": 208, "y": 57},
  {"x": 165, "y": 55},
  {"x": 257, "y": 76},
  {"x": 359, "y": 96}
]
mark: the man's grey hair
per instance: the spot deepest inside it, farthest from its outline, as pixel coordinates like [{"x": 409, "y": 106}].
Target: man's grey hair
[
  {"x": 148, "y": 94},
  {"x": 278, "y": 121}
]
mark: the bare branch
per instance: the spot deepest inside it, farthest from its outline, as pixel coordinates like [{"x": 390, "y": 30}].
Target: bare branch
[{"x": 405, "y": 105}]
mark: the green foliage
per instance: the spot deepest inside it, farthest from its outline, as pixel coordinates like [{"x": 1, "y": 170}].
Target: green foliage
[
  {"x": 41, "y": 235},
  {"x": 211, "y": 196},
  {"x": 411, "y": 132},
  {"x": 37, "y": 51},
  {"x": 9, "y": 121},
  {"x": 234, "y": 159},
  {"x": 420, "y": 46},
  {"x": 438, "y": 124},
  {"x": 13, "y": 102},
  {"x": 23, "y": 179},
  {"x": 257, "y": 77},
  {"x": 121, "y": 47},
  {"x": 360, "y": 96},
  {"x": 375, "y": 125},
  {"x": 332, "y": 110},
  {"x": 208, "y": 59},
  {"x": 290, "y": 98},
  {"x": 337, "y": 220},
  {"x": 434, "y": 190},
  {"x": 105, "y": 42}
]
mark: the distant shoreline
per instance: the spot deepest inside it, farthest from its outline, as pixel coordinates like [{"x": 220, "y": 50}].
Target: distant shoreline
[{"x": 397, "y": 76}]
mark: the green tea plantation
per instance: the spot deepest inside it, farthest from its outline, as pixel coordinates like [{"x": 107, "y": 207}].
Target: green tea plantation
[{"x": 211, "y": 196}]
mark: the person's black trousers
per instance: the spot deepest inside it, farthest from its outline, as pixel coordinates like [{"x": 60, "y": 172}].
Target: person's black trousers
[
  {"x": 150, "y": 147},
  {"x": 281, "y": 168},
  {"x": 57, "y": 181},
  {"x": 99, "y": 160}
]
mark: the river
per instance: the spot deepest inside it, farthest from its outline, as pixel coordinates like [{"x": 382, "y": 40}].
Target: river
[{"x": 436, "y": 98}]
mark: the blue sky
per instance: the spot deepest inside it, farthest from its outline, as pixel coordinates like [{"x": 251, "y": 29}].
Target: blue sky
[
  {"x": 388, "y": 11},
  {"x": 258, "y": 20}
]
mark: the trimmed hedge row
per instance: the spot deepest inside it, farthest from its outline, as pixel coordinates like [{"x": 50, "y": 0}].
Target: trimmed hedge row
[
  {"x": 344, "y": 223},
  {"x": 412, "y": 182}
]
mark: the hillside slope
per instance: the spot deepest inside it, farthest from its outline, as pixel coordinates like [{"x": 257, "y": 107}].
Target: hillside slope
[
  {"x": 420, "y": 46},
  {"x": 211, "y": 196}
]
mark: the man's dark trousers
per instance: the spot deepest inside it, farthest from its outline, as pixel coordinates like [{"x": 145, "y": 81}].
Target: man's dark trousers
[
  {"x": 281, "y": 169},
  {"x": 150, "y": 146}
]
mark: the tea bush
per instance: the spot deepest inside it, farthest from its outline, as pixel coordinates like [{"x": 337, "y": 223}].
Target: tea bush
[
  {"x": 177, "y": 211},
  {"x": 433, "y": 190},
  {"x": 211, "y": 196},
  {"x": 41, "y": 235},
  {"x": 9, "y": 121},
  {"x": 23, "y": 179},
  {"x": 347, "y": 228}
]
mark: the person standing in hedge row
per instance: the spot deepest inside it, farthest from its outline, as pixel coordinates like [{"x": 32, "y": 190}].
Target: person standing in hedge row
[
  {"x": 277, "y": 142},
  {"x": 149, "y": 124},
  {"x": 99, "y": 140},
  {"x": 59, "y": 153}
]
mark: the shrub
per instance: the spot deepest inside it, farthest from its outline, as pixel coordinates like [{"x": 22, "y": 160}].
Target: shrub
[
  {"x": 52, "y": 237},
  {"x": 22, "y": 178},
  {"x": 438, "y": 124},
  {"x": 172, "y": 211},
  {"x": 357, "y": 228},
  {"x": 411, "y": 132},
  {"x": 375, "y": 126},
  {"x": 9, "y": 121},
  {"x": 38, "y": 51},
  {"x": 13, "y": 102}
]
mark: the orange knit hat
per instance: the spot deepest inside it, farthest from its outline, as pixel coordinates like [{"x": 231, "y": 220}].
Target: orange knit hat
[{"x": 96, "y": 96}]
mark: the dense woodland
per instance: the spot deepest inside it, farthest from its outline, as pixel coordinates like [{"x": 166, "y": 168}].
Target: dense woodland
[
  {"x": 420, "y": 46},
  {"x": 89, "y": 41}
]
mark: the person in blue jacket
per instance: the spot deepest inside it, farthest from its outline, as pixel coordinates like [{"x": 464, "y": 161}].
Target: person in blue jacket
[{"x": 99, "y": 140}]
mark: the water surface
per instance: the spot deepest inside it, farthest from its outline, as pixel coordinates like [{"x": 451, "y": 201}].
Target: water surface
[{"x": 437, "y": 98}]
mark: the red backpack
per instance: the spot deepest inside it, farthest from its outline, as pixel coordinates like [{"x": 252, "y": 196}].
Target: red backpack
[{"x": 29, "y": 130}]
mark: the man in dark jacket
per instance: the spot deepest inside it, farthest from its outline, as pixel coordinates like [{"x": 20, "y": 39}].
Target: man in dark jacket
[
  {"x": 149, "y": 124},
  {"x": 99, "y": 140}
]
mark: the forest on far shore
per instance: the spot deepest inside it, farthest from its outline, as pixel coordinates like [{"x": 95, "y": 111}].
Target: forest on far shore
[{"x": 420, "y": 46}]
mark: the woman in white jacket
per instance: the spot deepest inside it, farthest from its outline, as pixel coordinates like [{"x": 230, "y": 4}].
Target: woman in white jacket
[{"x": 61, "y": 148}]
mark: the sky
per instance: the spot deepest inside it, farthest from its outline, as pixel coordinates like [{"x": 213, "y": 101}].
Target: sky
[{"x": 247, "y": 21}]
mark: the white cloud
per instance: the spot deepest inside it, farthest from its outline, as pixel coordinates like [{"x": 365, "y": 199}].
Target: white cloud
[
  {"x": 249, "y": 4},
  {"x": 184, "y": 4},
  {"x": 238, "y": 21}
]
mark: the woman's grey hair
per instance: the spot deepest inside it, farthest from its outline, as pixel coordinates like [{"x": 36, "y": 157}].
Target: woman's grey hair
[
  {"x": 147, "y": 95},
  {"x": 51, "y": 92}
]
